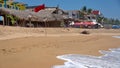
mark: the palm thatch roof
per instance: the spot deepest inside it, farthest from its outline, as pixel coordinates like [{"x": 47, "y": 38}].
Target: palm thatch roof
[{"x": 49, "y": 15}]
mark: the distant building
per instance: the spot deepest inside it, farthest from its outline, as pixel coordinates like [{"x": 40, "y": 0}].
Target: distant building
[
  {"x": 12, "y": 5},
  {"x": 74, "y": 14}
]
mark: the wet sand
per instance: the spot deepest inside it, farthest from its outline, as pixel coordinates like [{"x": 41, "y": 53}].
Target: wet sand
[{"x": 33, "y": 48}]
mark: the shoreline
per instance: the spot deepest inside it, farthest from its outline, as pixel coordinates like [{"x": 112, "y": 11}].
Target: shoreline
[{"x": 108, "y": 59}]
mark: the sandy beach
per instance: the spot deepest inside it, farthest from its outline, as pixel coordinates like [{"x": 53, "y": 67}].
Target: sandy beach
[{"x": 38, "y": 47}]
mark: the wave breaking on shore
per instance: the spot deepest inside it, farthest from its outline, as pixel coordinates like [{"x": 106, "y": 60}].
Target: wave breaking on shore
[
  {"x": 109, "y": 59},
  {"x": 116, "y": 36}
]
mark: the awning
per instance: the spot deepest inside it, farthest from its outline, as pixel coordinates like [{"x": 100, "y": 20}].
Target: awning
[{"x": 84, "y": 23}]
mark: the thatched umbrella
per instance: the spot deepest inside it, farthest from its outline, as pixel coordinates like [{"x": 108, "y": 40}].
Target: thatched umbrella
[
  {"x": 38, "y": 17},
  {"x": 35, "y": 16},
  {"x": 18, "y": 13}
]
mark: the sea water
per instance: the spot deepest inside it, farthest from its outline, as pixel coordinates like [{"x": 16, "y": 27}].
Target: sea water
[{"x": 109, "y": 59}]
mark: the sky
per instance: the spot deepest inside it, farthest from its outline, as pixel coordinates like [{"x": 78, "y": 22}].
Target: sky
[{"x": 109, "y": 8}]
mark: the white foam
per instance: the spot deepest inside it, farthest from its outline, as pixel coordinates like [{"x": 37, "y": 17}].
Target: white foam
[
  {"x": 116, "y": 36},
  {"x": 109, "y": 59}
]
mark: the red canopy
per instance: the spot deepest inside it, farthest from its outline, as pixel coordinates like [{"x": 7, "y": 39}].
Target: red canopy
[
  {"x": 84, "y": 23},
  {"x": 88, "y": 23},
  {"x": 96, "y": 12},
  {"x": 77, "y": 23},
  {"x": 40, "y": 7}
]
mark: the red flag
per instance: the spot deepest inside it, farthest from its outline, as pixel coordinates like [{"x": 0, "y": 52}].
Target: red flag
[
  {"x": 96, "y": 12},
  {"x": 40, "y": 7}
]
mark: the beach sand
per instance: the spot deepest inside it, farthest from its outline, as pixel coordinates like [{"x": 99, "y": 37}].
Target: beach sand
[{"x": 38, "y": 47}]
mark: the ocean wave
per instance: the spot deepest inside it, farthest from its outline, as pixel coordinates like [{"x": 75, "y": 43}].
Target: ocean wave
[
  {"x": 116, "y": 36},
  {"x": 109, "y": 59}
]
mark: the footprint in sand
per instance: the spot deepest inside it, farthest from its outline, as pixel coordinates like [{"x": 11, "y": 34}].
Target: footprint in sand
[{"x": 8, "y": 51}]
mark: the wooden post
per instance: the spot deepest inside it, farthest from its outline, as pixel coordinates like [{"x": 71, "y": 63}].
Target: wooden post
[
  {"x": 6, "y": 20},
  {"x": 30, "y": 22},
  {"x": 3, "y": 20},
  {"x": 45, "y": 21},
  {"x": 45, "y": 28},
  {"x": 29, "y": 17},
  {"x": 23, "y": 23}
]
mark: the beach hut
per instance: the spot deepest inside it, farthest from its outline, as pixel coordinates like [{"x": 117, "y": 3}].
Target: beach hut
[{"x": 52, "y": 17}]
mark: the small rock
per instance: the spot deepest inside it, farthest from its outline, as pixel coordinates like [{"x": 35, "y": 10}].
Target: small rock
[{"x": 85, "y": 32}]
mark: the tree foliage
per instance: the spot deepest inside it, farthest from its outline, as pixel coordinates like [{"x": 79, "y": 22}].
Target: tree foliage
[
  {"x": 84, "y": 9},
  {"x": 89, "y": 10},
  {"x": 100, "y": 18},
  {"x": 111, "y": 21}
]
